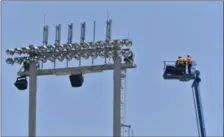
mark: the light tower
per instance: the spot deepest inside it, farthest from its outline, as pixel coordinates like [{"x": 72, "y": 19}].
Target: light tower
[{"x": 31, "y": 56}]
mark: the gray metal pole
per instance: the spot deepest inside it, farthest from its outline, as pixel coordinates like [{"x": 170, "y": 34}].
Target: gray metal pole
[
  {"x": 32, "y": 99},
  {"x": 132, "y": 133},
  {"x": 117, "y": 92},
  {"x": 129, "y": 130}
]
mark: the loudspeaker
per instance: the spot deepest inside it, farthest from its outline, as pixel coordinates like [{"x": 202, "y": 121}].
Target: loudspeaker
[
  {"x": 76, "y": 80},
  {"x": 21, "y": 83}
]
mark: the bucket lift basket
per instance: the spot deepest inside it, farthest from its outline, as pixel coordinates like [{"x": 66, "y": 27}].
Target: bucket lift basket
[{"x": 171, "y": 72}]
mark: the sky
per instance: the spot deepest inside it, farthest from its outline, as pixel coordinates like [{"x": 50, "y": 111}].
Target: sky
[{"x": 161, "y": 31}]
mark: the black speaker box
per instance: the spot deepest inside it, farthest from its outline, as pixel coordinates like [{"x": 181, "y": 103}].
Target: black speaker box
[
  {"x": 76, "y": 80},
  {"x": 21, "y": 83}
]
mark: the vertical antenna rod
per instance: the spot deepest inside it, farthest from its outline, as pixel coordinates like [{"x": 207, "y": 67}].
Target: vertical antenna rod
[
  {"x": 57, "y": 38},
  {"x": 70, "y": 33},
  {"x": 94, "y": 36},
  {"x": 58, "y": 35},
  {"x": 45, "y": 35},
  {"x": 45, "y": 38},
  {"x": 108, "y": 14},
  {"x": 82, "y": 38},
  {"x": 108, "y": 35},
  {"x": 44, "y": 19},
  {"x": 70, "y": 36}
]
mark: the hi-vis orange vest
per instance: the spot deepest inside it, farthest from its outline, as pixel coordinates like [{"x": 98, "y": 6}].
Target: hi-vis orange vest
[{"x": 189, "y": 60}]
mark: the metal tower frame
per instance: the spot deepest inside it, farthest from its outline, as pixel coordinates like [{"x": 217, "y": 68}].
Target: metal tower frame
[
  {"x": 127, "y": 131},
  {"x": 123, "y": 96},
  {"x": 124, "y": 128},
  {"x": 48, "y": 52}
]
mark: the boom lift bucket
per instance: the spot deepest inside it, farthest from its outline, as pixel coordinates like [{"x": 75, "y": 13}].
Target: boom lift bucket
[{"x": 171, "y": 72}]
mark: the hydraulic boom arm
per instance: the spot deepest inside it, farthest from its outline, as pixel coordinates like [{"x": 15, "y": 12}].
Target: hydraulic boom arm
[{"x": 199, "y": 111}]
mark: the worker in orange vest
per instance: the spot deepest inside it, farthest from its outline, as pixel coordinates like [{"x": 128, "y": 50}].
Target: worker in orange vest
[{"x": 189, "y": 63}]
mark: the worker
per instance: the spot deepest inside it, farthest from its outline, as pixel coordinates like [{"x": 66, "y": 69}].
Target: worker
[
  {"x": 38, "y": 65},
  {"x": 129, "y": 59},
  {"x": 189, "y": 63},
  {"x": 26, "y": 66},
  {"x": 180, "y": 65}
]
